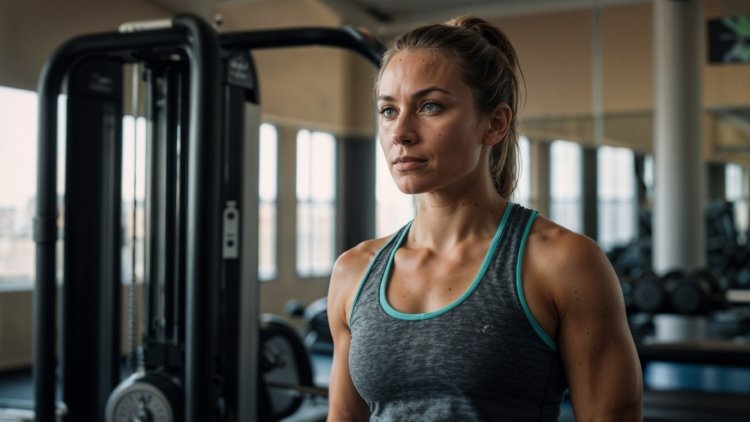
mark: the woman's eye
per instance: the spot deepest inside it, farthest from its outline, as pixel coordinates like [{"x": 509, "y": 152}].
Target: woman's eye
[
  {"x": 388, "y": 112},
  {"x": 431, "y": 107}
]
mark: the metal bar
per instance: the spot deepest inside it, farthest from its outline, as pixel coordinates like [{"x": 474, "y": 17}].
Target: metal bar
[
  {"x": 697, "y": 352},
  {"x": 346, "y": 37}
]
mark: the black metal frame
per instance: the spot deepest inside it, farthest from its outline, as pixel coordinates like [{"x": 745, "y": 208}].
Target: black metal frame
[
  {"x": 215, "y": 176},
  {"x": 92, "y": 224},
  {"x": 199, "y": 42}
]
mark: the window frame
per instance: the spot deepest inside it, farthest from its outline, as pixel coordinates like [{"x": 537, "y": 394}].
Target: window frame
[{"x": 305, "y": 163}]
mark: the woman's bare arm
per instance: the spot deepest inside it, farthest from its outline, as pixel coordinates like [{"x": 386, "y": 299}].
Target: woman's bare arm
[
  {"x": 593, "y": 337},
  {"x": 345, "y": 404}
]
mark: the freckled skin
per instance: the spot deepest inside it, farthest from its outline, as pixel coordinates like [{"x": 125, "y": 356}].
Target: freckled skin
[
  {"x": 586, "y": 316},
  {"x": 452, "y": 140}
]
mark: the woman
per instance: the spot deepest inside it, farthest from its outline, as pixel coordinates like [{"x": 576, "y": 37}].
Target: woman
[{"x": 478, "y": 309}]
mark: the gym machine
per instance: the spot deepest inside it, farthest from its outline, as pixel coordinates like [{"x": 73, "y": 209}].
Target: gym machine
[{"x": 202, "y": 357}]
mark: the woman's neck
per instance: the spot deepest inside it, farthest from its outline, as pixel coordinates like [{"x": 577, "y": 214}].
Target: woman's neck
[{"x": 442, "y": 223}]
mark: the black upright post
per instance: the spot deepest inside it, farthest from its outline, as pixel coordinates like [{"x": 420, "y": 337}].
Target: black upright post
[
  {"x": 239, "y": 88},
  {"x": 91, "y": 291},
  {"x": 358, "y": 167},
  {"x": 203, "y": 215},
  {"x": 173, "y": 282},
  {"x": 717, "y": 182},
  {"x": 590, "y": 197},
  {"x": 182, "y": 89}
]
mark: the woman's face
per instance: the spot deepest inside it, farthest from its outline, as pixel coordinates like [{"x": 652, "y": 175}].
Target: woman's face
[{"x": 432, "y": 134}]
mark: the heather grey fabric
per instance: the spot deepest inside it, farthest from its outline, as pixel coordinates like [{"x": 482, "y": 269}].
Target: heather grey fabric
[{"x": 482, "y": 358}]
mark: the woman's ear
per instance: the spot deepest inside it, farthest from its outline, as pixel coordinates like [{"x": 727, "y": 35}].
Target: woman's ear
[{"x": 499, "y": 124}]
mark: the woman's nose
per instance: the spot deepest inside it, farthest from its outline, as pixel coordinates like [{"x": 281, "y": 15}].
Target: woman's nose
[{"x": 404, "y": 132}]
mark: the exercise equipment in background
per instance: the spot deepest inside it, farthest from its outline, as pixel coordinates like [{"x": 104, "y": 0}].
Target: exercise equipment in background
[
  {"x": 690, "y": 293},
  {"x": 317, "y": 333},
  {"x": 286, "y": 368},
  {"x": 199, "y": 358},
  {"x": 726, "y": 257}
]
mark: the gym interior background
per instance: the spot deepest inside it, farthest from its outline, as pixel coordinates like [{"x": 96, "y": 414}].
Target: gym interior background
[{"x": 594, "y": 80}]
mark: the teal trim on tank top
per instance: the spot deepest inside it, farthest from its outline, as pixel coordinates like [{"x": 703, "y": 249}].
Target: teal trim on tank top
[
  {"x": 480, "y": 274},
  {"x": 367, "y": 274},
  {"x": 519, "y": 288}
]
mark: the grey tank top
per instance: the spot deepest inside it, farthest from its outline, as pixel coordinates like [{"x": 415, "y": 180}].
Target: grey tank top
[{"x": 481, "y": 358}]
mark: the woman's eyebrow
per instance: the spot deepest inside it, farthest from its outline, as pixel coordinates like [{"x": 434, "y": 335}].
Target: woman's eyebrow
[{"x": 419, "y": 94}]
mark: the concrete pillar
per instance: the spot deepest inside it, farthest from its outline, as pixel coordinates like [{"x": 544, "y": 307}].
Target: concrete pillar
[
  {"x": 679, "y": 232},
  {"x": 540, "y": 183}
]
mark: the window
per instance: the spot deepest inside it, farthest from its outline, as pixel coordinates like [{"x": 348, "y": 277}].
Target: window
[
  {"x": 268, "y": 193},
  {"x": 394, "y": 208},
  {"x": 522, "y": 195},
  {"x": 616, "y": 193},
  {"x": 565, "y": 185},
  {"x": 737, "y": 192},
  {"x": 134, "y": 140},
  {"x": 316, "y": 203},
  {"x": 648, "y": 177},
  {"x": 18, "y": 145},
  {"x": 133, "y": 196}
]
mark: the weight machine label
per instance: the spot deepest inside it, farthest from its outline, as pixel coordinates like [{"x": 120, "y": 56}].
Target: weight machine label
[
  {"x": 231, "y": 249},
  {"x": 240, "y": 71}
]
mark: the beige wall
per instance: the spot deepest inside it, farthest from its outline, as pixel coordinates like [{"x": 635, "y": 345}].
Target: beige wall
[
  {"x": 555, "y": 51},
  {"x": 328, "y": 89},
  {"x": 627, "y": 58},
  {"x": 315, "y": 87},
  {"x": 31, "y": 30},
  {"x": 15, "y": 329}
]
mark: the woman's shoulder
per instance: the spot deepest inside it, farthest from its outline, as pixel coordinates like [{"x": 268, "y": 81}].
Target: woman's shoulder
[
  {"x": 351, "y": 265},
  {"x": 561, "y": 249},
  {"x": 569, "y": 268},
  {"x": 348, "y": 271},
  {"x": 358, "y": 258}
]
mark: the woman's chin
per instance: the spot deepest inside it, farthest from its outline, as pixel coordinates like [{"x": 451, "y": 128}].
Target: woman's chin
[{"x": 410, "y": 189}]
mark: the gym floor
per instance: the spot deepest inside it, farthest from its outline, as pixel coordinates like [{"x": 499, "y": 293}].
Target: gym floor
[{"x": 707, "y": 389}]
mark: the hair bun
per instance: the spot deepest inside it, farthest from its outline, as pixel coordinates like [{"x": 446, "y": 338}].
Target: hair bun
[{"x": 476, "y": 24}]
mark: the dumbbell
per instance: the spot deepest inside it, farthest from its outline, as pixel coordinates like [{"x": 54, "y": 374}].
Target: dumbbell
[
  {"x": 649, "y": 294},
  {"x": 685, "y": 297},
  {"x": 696, "y": 293},
  {"x": 677, "y": 291},
  {"x": 720, "y": 287}
]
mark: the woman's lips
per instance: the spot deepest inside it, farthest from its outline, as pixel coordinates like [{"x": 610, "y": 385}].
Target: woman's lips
[{"x": 407, "y": 163}]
